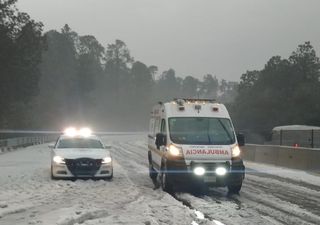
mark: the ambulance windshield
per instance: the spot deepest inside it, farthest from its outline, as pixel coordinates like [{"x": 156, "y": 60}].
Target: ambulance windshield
[{"x": 201, "y": 131}]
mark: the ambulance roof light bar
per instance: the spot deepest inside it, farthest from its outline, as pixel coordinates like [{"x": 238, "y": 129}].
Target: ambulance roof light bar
[
  {"x": 180, "y": 103},
  {"x": 195, "y": 100}
]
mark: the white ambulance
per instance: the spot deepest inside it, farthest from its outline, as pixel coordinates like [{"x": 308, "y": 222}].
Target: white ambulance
[{"x": 191, "y": 142}]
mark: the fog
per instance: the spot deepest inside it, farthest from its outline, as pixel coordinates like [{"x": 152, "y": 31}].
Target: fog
[
  {"x": 224, "y": 38},
  {"x": 116, "y": 59}
]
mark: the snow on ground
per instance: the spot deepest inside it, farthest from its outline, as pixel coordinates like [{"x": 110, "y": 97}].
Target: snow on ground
[
  {"x": 269, "y": 195},
  {"x": 29, "y": 196},
  {"x": 297, "y": 175}
]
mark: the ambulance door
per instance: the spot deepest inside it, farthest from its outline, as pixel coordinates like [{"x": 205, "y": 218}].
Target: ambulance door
[
  {"x": 157, "y": 153},
  {"x": 163, "y": 130}
]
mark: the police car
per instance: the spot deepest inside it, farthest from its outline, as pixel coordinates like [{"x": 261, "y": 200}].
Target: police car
[
  {"x": 192, "y": 141},
  {"x": 79, "y": 154}
]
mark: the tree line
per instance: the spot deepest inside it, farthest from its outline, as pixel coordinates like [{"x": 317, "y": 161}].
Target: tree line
[
  {"x": 56, "y": 78},
  {"x": 284, "y": 92}
]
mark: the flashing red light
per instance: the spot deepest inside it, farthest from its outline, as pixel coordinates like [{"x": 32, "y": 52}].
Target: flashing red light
[{"x": 296, "y": 145}]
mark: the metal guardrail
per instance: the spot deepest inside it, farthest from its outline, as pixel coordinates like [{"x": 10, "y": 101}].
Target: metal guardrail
[
  {"x": 26, "y": 138},
  {"x": 13, "y": 143}
]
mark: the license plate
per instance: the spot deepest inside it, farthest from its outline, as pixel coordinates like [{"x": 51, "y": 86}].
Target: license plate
[{"x": 210, "y": 179}]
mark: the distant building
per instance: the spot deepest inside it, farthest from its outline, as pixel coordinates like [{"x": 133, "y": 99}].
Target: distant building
[{"x": 296, "y": 135}]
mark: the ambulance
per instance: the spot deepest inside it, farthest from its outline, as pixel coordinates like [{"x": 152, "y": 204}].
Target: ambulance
[{"x": 192, "y": 142}]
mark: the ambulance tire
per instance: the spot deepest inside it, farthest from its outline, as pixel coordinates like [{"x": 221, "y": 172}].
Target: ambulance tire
[
  {"x": 166, "y": 185},
  {"x": 152, "y": 172},
  {"x": 234, "y": 189}
]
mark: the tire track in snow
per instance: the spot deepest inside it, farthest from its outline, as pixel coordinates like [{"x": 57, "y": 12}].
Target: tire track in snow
[
  {"x": 309, "y": 200},
  {"x": 249, "y": 208}
]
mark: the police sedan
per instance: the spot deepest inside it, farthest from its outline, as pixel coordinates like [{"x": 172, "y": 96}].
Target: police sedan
[{"x": 79, "y": 154}]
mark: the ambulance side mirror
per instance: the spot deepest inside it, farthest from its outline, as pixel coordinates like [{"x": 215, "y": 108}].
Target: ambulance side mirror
[
  {"x": 240, "y": 139},
  {"x": 160, "y": 140}
]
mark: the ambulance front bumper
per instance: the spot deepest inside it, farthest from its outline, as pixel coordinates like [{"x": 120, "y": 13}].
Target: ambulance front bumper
[{"x": 211, "y": 173}]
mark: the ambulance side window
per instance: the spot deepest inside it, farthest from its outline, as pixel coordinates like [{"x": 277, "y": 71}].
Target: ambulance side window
[
  {"x": 151, "y": 127},
  {"x": 157, "y": 126},
  {"x": 163, "y": 127}
]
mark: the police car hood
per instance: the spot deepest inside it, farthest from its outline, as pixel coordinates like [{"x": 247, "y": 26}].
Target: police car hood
[
  {"x": 207, "y": 152},
  {"x": 75, "y": 153}
]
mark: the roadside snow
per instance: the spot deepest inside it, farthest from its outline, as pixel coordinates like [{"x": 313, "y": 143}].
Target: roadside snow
[
  {"x": 297, "y": 175},
  {"x": 29, "y": 196},
  {"x": 270, "y": 195}
]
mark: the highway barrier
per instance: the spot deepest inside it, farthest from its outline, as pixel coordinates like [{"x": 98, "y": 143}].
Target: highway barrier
[
  {"x": 18, "y": 142},
  {"x": 20, "y": 139},
  {"x": 283, "y": 156}
]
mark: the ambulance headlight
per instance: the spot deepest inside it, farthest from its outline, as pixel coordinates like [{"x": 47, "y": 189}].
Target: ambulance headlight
[
  {"x": 199, "y": 171},
  {"x": 221, "y": 171},
  {"x": 107, "y": 159},
  {"x": 175, "y": 151},
  {"x": 236, "y": 151},
  {"x": 85, "y": 132},
  {"x": 70, "y": 131},
  {"x": 58, "y": 159}
]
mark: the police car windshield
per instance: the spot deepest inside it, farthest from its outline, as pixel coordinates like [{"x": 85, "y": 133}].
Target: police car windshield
[
  {"x": 79, "y": 143},
  {"x": 201, "y": 131}
]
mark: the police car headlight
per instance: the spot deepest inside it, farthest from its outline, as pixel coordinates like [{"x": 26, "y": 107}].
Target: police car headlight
[
  {"x": 236, "y": 151},
  {"x": 58, "y": 159},
  {"x": 221, "y": 171},
  {"x": 107, "y": 160},
  {"x": 174, "y": 150},
  {"x": 199, "y": 171}
]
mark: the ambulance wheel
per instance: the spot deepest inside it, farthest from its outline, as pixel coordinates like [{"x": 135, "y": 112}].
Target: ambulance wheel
[
  {"x": 152, "y": 172},
  {"x": 166, "y": 185},
  {"x": 234, "y": 189}
]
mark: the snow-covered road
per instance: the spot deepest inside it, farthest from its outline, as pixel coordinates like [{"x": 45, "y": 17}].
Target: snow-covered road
[{"x": 29, "y": 196}]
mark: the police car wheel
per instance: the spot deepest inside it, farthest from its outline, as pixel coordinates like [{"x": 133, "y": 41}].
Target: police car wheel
[
  {"x": 52, "y": 177},
  {"x": 108, "y": 178}
]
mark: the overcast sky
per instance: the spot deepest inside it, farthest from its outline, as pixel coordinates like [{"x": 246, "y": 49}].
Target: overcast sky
[{"x": 195, "y": 37}]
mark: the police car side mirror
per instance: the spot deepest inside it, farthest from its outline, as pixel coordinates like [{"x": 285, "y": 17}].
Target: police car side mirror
[
  {"x": 240, "y": 139},
  {"x": 51, "y": 146},
  {"x": 160, "y": 140}
]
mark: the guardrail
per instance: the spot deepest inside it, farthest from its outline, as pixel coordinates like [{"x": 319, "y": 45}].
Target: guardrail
[
  {"x": 290, "y": 157},
  {"x": 14, "y": 143}
]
